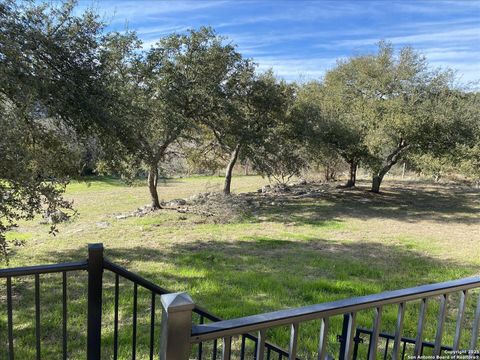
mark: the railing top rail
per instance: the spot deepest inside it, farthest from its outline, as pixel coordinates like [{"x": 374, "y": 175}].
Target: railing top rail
[
  {"x": 285, "y": 317},
  {"x": 43, "y": 269}
]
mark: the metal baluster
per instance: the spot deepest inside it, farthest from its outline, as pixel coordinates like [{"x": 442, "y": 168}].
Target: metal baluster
[
  {"x": 260, "y": 344},
  {"x": 356, "y": 342},
  {"x": 115, "y": 320},
  {"x": 349, "y": 335},
  {"x": 200, "y": 344},
  {"x": 37, "y": 314},
  {"x": 226, "y": 348},
  {"x": 421, "y": 321},
  {"x": 476, "y": 325},
  {"x": 64, "y": 300},
  {"x": 398, "y": 331},
  {"x": 322, "y": 345},
  {"x": 403, "y": 351},
  {"x": 152, "y": 325},
  {"x": 292, "y": 349},
  {"x": 376, "y": 331},
  {"x": 460, "y": 314},
  {"x": 268, "y": 352},
  {"x": 441, "y": 321},
  {"x": 10, "y": 318},
  {"x": 214, "y": 355},
  {"x": 386, "y": 349},
  {"x": 134, "y": 327},
  {"x": 242, "y": 348}
]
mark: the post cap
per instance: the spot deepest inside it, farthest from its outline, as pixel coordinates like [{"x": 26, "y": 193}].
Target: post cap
[
  {"x": 177, "y": 302},
  {"x": 95, "y": 246}
]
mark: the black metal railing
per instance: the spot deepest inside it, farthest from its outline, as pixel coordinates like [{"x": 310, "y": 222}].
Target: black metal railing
[
  {"x": 203, "y": 317},
  {"x": 405, "y": 344},
  {"x": 95, "y": 266},
  {"x": 195, "y": 332},
  {"x": 36, "y": 271}
]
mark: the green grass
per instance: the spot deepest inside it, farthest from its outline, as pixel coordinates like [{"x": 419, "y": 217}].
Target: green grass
[{"x": 302, "y": 252}]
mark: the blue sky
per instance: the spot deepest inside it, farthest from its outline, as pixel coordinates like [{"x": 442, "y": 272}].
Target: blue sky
[{"x": 299, "y": 40}]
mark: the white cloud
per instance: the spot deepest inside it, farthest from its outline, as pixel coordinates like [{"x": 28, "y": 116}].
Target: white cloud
[
  {"x": 295, "y": 68},
  {"x": 438, "y": 6},
  {"x": 468, "y": 72},
  {"x": 446, "y": 39},
  {"x": 440, "y": 36},
  {"x": 131, "y": 9},
  {"x": 295, "y": 13},
  {"x": 459, "y": 54}
]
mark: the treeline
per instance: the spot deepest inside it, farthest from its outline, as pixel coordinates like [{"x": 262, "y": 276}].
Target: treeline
[{"x": 70, "y": 91}]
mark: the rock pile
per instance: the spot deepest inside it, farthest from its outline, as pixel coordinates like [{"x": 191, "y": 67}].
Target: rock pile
[{"x": 221, "y": 208}]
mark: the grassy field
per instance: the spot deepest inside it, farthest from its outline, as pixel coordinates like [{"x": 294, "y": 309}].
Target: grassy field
[{"x": 301, "y": 252}]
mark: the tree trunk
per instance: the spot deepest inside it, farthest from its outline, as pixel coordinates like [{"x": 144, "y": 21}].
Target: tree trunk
[
  {"x": 329, "y": 172},
  {"x": 228, "y": 173},
  {"x": 353, "y": 174},
  {"x": 333, "y": 174},
  {"x": 152, "y": 186},
  {"x": 376, "y": 182},
  {"x": 326, "y": 172},
  {"x": 378, "y": 177},
  {"x": 392, "y": 159}
]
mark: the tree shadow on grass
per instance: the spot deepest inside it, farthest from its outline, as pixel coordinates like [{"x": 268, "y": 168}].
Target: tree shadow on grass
[
  {"x": 263, "y": 263},
  {"x": 398, "y": 201}
]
